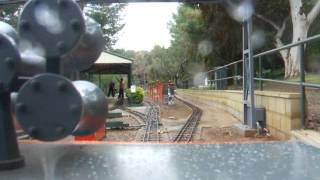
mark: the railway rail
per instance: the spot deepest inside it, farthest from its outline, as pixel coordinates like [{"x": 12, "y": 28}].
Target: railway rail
[
  {"x": 140, "y": 115},
  {"x": 151, "y": 133},
  {"x": 187, "y": 131}
]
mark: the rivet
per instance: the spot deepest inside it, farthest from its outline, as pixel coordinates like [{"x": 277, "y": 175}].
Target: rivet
[
  {"x": 32, "y": 131},
  {"x": 61, "y": 45},
  {"x": 75, "y": 24},
  {"x": 25, "y": 25},
  {"x": 62, "y": 86},
  {"x": 35, "y": 85},
  {"x": 10, "y": 62}
]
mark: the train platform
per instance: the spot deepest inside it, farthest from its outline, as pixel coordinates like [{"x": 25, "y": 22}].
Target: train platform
[{"x": 273, "y": 160}]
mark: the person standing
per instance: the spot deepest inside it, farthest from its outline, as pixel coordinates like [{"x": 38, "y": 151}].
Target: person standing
[
  {"x": 170, "y": 93},
  {"x": 121, "y": 90},
  {"x": 111, "y": 89}
]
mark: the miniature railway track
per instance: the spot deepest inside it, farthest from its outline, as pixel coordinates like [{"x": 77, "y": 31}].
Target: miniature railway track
[
  {"x": 151, "y": 133},
  {"x": 140, "y": 115},
  {"x": 187, "y": 131}
]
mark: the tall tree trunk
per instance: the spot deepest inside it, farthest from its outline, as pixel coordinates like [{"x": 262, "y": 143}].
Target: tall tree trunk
[
  {"x": 301, "y": 22},
  {"x": 300, "y": 29}
]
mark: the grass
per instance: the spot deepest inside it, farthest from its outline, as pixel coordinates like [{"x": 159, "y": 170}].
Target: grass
[{"x": 310, "y": 78}]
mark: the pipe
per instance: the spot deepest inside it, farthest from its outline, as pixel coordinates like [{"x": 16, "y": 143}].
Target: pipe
[
  {"x": 87, "y": 50},
  {"x": 95, "y": 108}
]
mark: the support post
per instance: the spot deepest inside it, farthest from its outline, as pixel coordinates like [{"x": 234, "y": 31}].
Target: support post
[
  {"x": 236, "y": 83},
  {"x": 130, "y": 77},
  {"x": 53, "y": 65},
  {"x": 248, "y": 76},
  {"x": 10, "y": 157},
  {"x": 100, "y": 80},
  {"x": 302, "y": 87},
  {"x": 260, "y": 74}
]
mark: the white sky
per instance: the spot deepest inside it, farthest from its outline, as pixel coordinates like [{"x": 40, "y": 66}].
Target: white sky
[{"x": 146, "y": 26}]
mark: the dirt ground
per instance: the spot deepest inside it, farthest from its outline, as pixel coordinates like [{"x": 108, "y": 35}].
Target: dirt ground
[
  {"x": 229, "y": 135},
  {"x": 173, "y": 117},
  {"x": 215, "y": 126},
  {"x": 121, "y": 135},
  {"x": 124, "y": 135},
  {"x": 176, "y": 111}
]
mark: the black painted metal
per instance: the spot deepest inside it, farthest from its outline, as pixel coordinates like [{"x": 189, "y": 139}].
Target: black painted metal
[
  {"x": 95, "y": 107},
  {"x": 9, "y": 60},
  {"x": 48, "y": 107},
  {"x": 87, "y": 50},
  {"x": 10, "y": 157},
  {"x": 53, "y": 26},
  {"x": 302, "y": 88}
]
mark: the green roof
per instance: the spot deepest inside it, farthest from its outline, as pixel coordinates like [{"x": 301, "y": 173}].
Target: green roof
[{"x": 108, "y": 58}]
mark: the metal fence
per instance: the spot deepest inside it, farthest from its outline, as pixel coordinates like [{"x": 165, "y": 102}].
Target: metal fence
[{"x": 302, "y": 84}]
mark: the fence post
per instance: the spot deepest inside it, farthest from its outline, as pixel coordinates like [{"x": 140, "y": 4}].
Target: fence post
[
  {"x": 302, "y": 87},
  {"x": 235, "y": 75},
  {"x": 260, "y": 74}
]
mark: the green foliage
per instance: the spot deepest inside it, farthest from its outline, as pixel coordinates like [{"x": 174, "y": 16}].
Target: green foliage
[
  {"x": 109, "y": 17},
  {"x": 310, "y": 78},
  {"x": 273, "y": 74},
  {"x": 137, "y": 97},
  {"x": 9, "y": 14}
]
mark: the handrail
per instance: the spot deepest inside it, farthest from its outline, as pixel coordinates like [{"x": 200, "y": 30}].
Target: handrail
[
  {"x": 307, "y": 40},
  {"x": 310, "y": 39}
]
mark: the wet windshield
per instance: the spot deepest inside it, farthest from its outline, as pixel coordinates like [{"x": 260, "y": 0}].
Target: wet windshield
[{"x": 151, "y": 90}]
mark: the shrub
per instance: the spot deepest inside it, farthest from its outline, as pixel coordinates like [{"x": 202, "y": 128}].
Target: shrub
[{"x": 137, "y": 97}]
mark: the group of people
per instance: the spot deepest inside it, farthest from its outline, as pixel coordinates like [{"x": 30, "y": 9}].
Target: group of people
[{"x": 112, "y": 89}]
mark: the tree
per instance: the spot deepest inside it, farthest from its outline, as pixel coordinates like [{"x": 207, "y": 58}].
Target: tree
[
  {"x": 204, "y": 36},
  {"x": 303, "y": 14},
  {"x": 10, "y": 14},
  {"x": 109, "y": 17}
]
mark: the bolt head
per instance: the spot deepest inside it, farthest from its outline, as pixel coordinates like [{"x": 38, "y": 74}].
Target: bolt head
[
  {"x": 61, "y": 45},
  {"x": 36, "y": 2},
  {"x": 35, "y": 85},
  {"x": 32, "y": 131},
  {"x": 60, "y": 130},
  {"x": 25, "y": 25},
  {"x": 62, "y": 86},
  {"x": 10, "y": 62},
  {"x": 63, "y": 3},
  {"x": 21, "y": 107},
  {"x": 75, "y": 24},
  {"x": 74, "y": 108}
]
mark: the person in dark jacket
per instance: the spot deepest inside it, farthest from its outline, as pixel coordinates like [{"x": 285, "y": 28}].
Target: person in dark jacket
[
  {"x": 121, "y": 90},
  {"x": 111, "y": 89}
]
